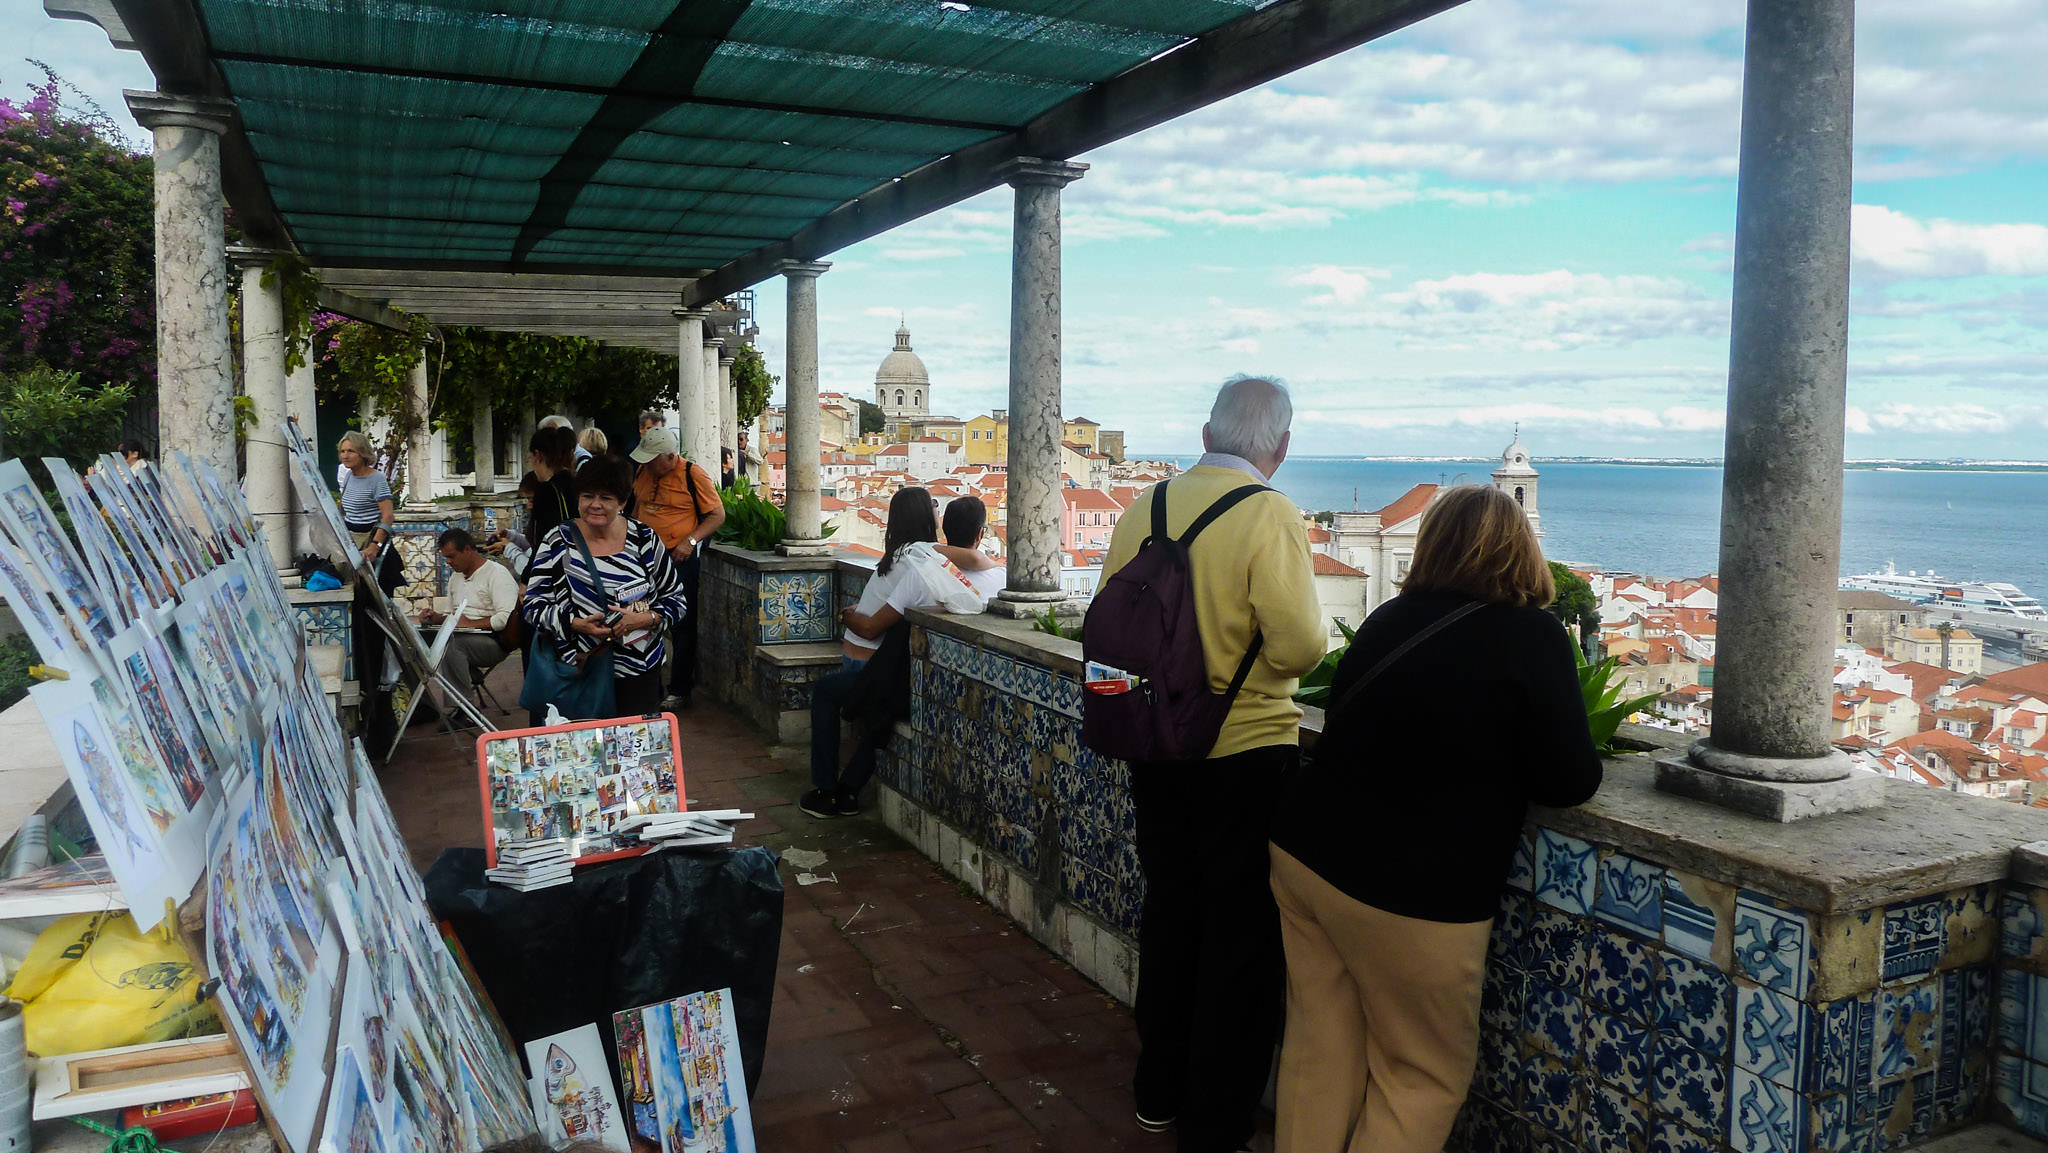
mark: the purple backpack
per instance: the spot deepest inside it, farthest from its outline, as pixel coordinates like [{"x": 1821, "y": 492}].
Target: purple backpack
[{"x": 1146, "y": 685}]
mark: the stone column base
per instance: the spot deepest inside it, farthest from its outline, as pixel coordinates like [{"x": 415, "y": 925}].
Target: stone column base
[
  {"x": 1017, "y": 605},
  {"x": 803, "y": 548},
  {"x": 1781, "y": 801}
]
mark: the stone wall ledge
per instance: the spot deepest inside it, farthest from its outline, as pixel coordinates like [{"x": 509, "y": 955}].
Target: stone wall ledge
[
  {"x": 771, "y": 562},
  {"x": 2030, "y": 864},
  {"x": 805, "y": 653},
  {"x": 1012, "y": 638},
  {"x": 1921, "y": 841}
]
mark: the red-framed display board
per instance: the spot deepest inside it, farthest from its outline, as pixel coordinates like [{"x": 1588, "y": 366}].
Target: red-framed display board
[{"x": 579, "y": 782}]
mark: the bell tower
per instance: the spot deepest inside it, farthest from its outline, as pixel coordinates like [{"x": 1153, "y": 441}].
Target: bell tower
[{"x": 1516, "y": 478}]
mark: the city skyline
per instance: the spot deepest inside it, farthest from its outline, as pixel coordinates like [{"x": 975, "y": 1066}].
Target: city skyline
[{"x": 1513, "y": 211}]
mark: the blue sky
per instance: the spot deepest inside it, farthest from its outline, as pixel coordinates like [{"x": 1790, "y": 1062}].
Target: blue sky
[{"x": 1520, "y": 210}]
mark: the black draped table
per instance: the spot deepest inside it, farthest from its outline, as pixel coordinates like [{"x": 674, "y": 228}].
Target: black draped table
[{"x": 621, "y": 934}]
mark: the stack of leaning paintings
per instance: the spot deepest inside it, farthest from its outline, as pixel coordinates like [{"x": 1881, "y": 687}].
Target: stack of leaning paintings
[{"x": 203, "y": 752}]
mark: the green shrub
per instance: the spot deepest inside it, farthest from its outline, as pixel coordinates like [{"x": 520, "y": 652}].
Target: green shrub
[
  {"x": 1049, "y": 622},
  {"x": 1605, "y": 710},
  {"x": 45, "y": 412},
  {"x": 1315, "y": 687},
  {"x": 752, "y": 521},
  {"x": 16, "y": 655}
]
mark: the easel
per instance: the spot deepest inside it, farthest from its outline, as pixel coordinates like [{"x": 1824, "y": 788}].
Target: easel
[{"x": 420, "y": 659}]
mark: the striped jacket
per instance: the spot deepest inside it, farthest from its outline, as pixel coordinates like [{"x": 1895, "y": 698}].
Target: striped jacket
[{"x": 559, "y": 589}]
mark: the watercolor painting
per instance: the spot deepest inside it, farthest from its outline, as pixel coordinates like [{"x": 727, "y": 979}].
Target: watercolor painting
[{"x": 572, "y": 1089}]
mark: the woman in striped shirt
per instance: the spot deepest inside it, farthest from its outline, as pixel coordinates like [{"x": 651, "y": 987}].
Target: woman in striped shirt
[{"x": 628, "y": 605}]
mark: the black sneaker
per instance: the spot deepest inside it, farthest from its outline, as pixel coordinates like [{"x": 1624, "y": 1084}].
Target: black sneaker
[
  {"x": 849, "y": 803},
  {"x": 820, "y": 803}
]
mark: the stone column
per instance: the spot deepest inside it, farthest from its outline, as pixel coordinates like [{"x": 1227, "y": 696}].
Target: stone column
[
  {"x": 195, "y": 375},
  {"x": 800, "y": 408},
  {"x": 713, "y": 347},
  {"x": 1034, "y": 476},
  {"x": 1769, "y": 752},
  {"x": 266, "y": 483},
  {"x": 728, "y": 404},
  {"x": 484, "y": 445},
  {"x": 302, "y": 400},
  {"x": 419, "y": 451},
  {"x": 692, "y": 390}
]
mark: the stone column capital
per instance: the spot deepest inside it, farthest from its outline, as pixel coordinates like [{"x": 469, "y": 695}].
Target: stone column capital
[
  {"x": 690, "y": 313},
  {"x": 245, "y": 258},
  {"x": 802, "y": 268},
  {"x": 726, "y": 357},
  {"x": 1031, "y": 171},
  {"x": 714, "y": 342},
  {"x": 157, "y": 109}
]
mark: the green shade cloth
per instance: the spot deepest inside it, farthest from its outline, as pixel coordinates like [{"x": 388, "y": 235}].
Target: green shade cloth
[{"x": 639, "y": 134}]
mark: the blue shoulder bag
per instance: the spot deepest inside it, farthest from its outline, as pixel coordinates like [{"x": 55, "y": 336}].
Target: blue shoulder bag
[{"x": 582, "y": 691}]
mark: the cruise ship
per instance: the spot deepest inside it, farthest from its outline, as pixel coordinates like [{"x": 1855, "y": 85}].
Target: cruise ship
[{"x": 1972, "y": 602}]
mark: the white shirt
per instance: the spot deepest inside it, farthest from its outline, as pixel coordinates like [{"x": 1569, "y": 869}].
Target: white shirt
[
  {"x": 899, "y": 588},
  {"x": 987, "y": 581},
  {"x": 490, "y": 591}
]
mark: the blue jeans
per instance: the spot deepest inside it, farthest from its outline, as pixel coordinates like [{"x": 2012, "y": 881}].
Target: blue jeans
[{"x": 826, "y": 697}]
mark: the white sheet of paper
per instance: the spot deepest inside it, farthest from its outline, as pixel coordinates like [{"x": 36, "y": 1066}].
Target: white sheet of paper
[{"x": 572, "y": 1089}]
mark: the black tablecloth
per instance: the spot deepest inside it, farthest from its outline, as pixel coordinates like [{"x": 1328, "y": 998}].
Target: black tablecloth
[{"x": 620, "y": 935}]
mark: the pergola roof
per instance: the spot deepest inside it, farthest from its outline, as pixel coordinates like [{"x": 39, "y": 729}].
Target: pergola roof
[{"x": 689, "y": 145}]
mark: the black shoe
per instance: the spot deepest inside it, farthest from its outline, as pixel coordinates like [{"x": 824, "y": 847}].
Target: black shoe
[
  {"x": 675, "y": 701},
  {"x": 820, "y": 803},
  {"x": 849, "y": 803}
]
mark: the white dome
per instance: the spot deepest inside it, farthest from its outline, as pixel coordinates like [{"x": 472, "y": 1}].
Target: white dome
[{"x": 902, "y": 366}]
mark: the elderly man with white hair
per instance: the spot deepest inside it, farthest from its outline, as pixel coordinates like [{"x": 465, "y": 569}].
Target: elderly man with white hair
[{"x": 1210, "y": 970}]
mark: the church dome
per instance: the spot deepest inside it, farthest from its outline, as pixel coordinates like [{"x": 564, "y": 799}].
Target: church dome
[{"x": 902, "y": 366}]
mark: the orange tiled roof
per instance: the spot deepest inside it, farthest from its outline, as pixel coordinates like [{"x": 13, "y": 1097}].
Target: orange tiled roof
[
  {"x": 1326, "y": 565},
  {"x": 1408, "y": 504}
]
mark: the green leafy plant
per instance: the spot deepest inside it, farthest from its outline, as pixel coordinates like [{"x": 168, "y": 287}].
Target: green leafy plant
[
  {"x": 1315, "y": 687},
  {"x": 752, "y": 521},
  {"x": 1605, "y": 708},
  {"x": 1049, "y": 622},
  {"x": 752, "y": 380},
  {"x": 47, "y": 412},
  {"x": 1575, "y": 605}
]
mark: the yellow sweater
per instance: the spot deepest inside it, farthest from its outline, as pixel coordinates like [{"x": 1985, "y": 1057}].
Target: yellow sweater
[{"x": 1251, "y": 569}]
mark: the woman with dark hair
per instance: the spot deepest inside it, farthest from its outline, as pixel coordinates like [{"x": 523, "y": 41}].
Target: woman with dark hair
[
  {"x": 134, "y": 452},
  {"x": 604, "y": 583},
  {"x": 551, "y": 454},
  {"x": 890, "y": 593},
  {"x": 1388, "y": 870}
]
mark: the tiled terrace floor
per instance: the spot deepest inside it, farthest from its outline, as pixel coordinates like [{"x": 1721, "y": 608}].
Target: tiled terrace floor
[{"x": 908, "y": 1014}]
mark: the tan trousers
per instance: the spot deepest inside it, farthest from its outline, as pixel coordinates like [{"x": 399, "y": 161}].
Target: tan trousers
[{"x": 1382, "y": 1021}]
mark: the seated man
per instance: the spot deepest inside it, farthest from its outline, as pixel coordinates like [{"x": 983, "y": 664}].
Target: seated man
[
  {"x": 965, "y": 520},
  {"x": 490, "y": 595}
]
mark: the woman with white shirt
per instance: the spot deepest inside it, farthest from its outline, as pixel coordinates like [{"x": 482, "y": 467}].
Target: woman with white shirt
[{"x": 893, "y": 591}]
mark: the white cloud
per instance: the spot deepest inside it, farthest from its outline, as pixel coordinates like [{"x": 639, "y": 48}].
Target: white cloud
[
  {"x": 1345, "y": 285},
  {"x": 1243, "y": 345},
  {"x": 1551, "y": 311},
  {"x": 1890, "y": 244},
  {"x": 1945, "y": 419}
]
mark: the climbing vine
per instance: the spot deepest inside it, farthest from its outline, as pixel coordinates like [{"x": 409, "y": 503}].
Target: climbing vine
[
  {"x": 299, "y": 287},
  {"x": 753, "y": 381}
]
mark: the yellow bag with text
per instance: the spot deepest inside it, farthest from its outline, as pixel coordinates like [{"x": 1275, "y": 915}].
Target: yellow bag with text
[{"x": 92, "y": 981}]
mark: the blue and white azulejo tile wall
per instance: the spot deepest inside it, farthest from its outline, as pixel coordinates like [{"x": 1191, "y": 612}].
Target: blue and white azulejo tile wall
[{"x": 1631, "y": 1006}]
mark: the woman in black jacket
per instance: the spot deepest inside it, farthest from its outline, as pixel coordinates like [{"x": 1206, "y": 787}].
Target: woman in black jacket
[{"x": 1390, "y": 850}]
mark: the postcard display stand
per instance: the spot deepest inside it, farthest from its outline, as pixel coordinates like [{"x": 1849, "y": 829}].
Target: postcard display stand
[
  {"x": 589, "y": 784},
  {"x": 200, "y": 745},
  {"x": 420, "y": 658}
]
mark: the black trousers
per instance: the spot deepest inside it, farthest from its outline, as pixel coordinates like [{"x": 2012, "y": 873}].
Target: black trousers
[
  {"x": 682, "y": 670},
  {"x": 1210, "y": 970}
]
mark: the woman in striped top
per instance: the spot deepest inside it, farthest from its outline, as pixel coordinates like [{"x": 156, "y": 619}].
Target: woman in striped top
[{"x": 635, "y": 580}]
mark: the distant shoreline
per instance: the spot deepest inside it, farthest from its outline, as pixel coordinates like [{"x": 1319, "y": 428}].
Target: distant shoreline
[{"x": 1959, "y": 466}]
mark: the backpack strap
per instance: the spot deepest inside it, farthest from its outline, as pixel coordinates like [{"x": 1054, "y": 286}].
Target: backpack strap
[
  {"x": 1225, "y": 503},
  {"x": 1158, "y": 513}
]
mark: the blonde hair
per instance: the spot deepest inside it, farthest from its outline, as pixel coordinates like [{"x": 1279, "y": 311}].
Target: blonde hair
[
  {"x": 1476, "y": 540},
  {"x": 594, "y": 440},
  {"x": 359, "y": 442}
]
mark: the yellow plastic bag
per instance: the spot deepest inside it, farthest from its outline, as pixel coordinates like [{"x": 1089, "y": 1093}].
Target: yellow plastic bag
[{"x": 93, "y": 981}]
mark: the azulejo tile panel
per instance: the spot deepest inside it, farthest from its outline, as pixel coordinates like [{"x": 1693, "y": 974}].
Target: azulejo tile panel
[
  {"x": 1631, "y": 894},
  {"x": 1689, "y": 926},
  {"x": 1693, "y": 1004},
  {"x": 1773, "y": 946},
  {"x": 1915, "y": 935},
  {"x": 1621, "y": 975},
  {"x": 1771, "y": 1035},
  {"x": 2019, "y": 922},
  {"x": 1689, "y": 1087},
  {"x": 1564, "y": 871},
  {"x": 1618, "y": 1053},
  {"x": 1908, "y": 1030},
  {"x": 1764, "y": 1116},
  {"x": 1522, "y": 869}
]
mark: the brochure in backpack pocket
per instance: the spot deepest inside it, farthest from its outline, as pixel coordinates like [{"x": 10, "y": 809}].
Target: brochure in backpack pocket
[{"x": 1107, "y": 680}]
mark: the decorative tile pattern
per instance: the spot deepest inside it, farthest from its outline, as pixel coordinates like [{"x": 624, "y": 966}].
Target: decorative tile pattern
[
  {"x": 1631, "y": 894},
  {"x": 1501, "y": 1000},
  {"x": 1615, "y": 1122},
  {"x": 1908, "y": 1030},
  {"x": 1688, "y": 925},
  {"x": 1771, "y": 1035},
  {"x": 1693, "y": 1004},
  {"x": 1554, "y": 948},
  {"x": 2019, "y": 922},
  {"x": 1773, "y": 946},
  {"x": 1764, "y": 1117},
  {"x": 329, "y": 624},
  {"x": 1689, "y": 1087},
  {"x": 1618, "y": 1054},
  {"x": 1550, "y": 1095},
  {"x": 1621, "y": 975},
  {"x": 1668, "y": 1136},
  {"x": 1844, "y": 1036},
  {"x": 1915, "y": 934},
  {"x": 1564, "y": 871},
  {"x": 1552, "y": 1019},
  {"x": 1834, "y": 1126}
]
